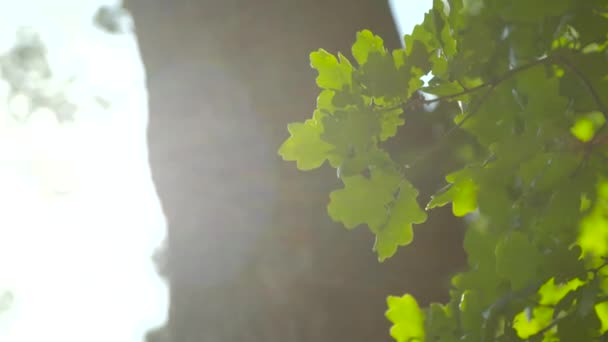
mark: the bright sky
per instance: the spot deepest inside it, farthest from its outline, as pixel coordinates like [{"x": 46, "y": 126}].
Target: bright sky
[
  {"x": 80, "y": 217},
  {"x": 409, "y": 13}
]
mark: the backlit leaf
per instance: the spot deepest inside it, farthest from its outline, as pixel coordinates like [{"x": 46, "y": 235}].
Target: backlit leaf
[
  {"x": 305, "y": 145},
  {"x": 407, "y": 319},
  {"x": 398, "y": 230},
  {"x": 363, "y": 200},
  {"x": 517, "y": 260},
  {"x": 367, "y": 43},
  {"x": 333, "y": 73}
]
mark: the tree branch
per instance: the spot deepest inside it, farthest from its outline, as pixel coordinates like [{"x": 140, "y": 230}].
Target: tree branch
[
  {"x": 509, "y": 74},
  {"x": 549, "y": 326},
  {"x": 452, "y": 129},
  {"x": 594, "y": 94},
  {"x": 490, "y": 84},
  {"x": 420, "y": 100}
]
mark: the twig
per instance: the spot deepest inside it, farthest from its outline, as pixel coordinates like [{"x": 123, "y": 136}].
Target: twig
[
  {"x": 462, "y": 93},
  {"x": 452, "y": 129},
  {"x": 549, "y": 326},
  {"x": 594, "y": 94},
  {"x": 491, "y": 84},
  {"x": 499, "y": 80}
]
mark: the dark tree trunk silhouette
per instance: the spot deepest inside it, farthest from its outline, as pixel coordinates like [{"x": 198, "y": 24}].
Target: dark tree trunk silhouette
[{"x": 253, "y": 255}]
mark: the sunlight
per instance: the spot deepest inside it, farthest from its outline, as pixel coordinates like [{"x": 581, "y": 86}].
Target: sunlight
[
  {"x": 81, "y": 217},
  {"x": 408, "y": 14}
]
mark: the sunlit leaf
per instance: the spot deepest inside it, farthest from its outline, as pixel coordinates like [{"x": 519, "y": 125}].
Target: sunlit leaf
[
  {"x": 305, "y": 145},
  {"x": 363, "y": 200},
  {"x": 539, "y": 319},
  {"x": 367, "y": 43},
  {"x": 593, "y": 236},
  {"x": 551, "y": 293},
  {"x": 333, "y": 73},
  {"x": 398, "y": 230},
  {"x": 462, "y": 194},
  {"x": 391, "y": 120},
  {"x": 407, "y": 319},
  {"x": 601, "y": 309},
  {"x": 516, "y": 84},
  {"x": 586, "y": 126}
]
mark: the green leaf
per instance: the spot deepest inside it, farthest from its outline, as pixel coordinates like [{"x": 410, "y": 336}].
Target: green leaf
[
  {"x": 593, "y": 234},
  {"x": 363, "y": 200},
  {"x": 325, "y": 100},
  {"x": 471, "y": 312},
  {"x": 535, "y": 79},
  {"x": 586, "y": 126},
  {"x": 367, "y": 43},
  {"x": 480, "y": 245},
  {"x": 379, "y": 78},
  {"x": 496, "y": 118},
  {"x": 333, "y": 74},
  {"x": 443, "y": 29},
  {"x": 465, "y": 198},
  {"x": 564, "y": 263},
  {"x": 585, "y": 71},
  {"x": 517, "y": 259},
  {"x": 398, "y": 230},
  {"x": 591, "y": 24},
  {"x": 423, "y": 33},
  {"x": 561, "y": 213},
  {"x": 574, "y": 328},
  {"x": 538, "y": 91},
  {"x": 350, "y": 130},
  {"x": 440, "y": 323},
  {"x": 305, "y": 145},
  {"x": 407, "y": 319},
  {"x": 390, "y": 121},
  {"x": 462, "y": 194},
  {"x": 588, "y": 294},
  {"x": 601, "y": 310},
  {"x": 359, "y": 162},
  {"x": 545, "y": 171},
  {"x": 583, "y": 130},
  {"x": 593, "y": 237},
  {"x": 522, "y": 10},
  {"x": 551, "y": 293},
  {"x": 443, "y": 88},
  {"x": 540, "y": 318}
]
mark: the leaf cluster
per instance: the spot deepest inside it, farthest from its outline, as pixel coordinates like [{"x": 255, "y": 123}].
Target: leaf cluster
[{"x": 527, "y": 82}]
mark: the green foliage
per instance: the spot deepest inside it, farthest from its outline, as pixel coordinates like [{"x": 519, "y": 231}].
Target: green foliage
[
  {"x": 407, "y": 318},
  {"x": 527, "y": 86}
]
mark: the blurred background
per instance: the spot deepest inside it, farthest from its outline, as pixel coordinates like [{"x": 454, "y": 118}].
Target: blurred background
[{"x": 252, "y": 254}]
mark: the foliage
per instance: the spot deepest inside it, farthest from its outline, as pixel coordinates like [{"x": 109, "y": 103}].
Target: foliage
[{"x": 527, "y": 81}]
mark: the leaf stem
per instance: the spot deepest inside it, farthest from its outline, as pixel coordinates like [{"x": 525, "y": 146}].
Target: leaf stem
[
  {"x": 549, "y": 326},
  {"x": 592, "y": 91},
  {"x": 451, "y": 130},
  {"x": 420, "y": 100},
  {"x": 493, "y": 83},
  {"x": 594, "y": 94}
]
